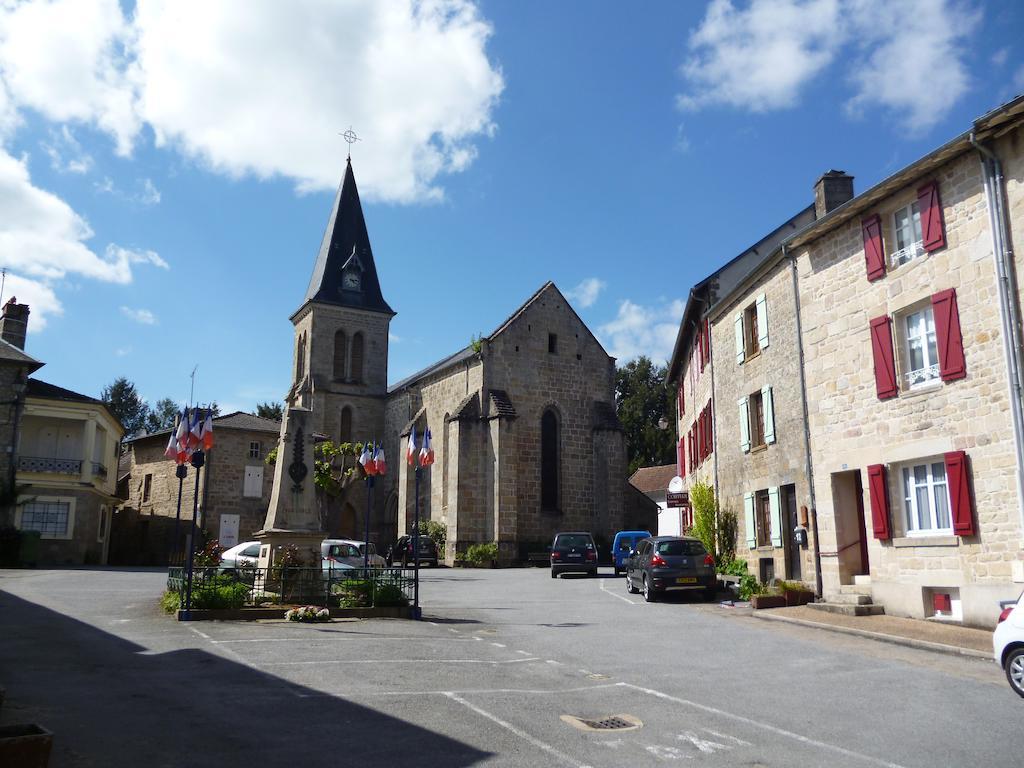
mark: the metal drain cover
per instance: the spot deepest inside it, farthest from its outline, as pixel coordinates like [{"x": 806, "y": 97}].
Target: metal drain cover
[{"x": 610, "y": 723}]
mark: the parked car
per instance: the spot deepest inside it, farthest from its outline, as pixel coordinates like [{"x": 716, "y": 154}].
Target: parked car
[
  {"x": 341, "y": 550},
  {"x": 402, "y": 551},
  {"x": 1008, "y": 643},
  {"x": 244, "y": 555},
  {"x": 573, "y": 552},
  {"x": 624, "y": 543},
  {"x": 662, "y": 564}
]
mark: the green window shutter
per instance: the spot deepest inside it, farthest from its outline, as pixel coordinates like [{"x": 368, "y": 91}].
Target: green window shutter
[
  {"x": 762, "y": 322},
  {"x": 744, "y": 425},
  {"x": 740, "y": 351},
  {"x": 748, "y": 513},
  {"x": 769, "y": 415},
  {"x": 776, "y": 511}
]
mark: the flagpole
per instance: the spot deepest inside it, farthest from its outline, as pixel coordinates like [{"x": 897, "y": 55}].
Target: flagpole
[
  {"x": 197, "y": 462},
  {"x": 416, "y": 550},
  {"x": 180, "y": 472}
]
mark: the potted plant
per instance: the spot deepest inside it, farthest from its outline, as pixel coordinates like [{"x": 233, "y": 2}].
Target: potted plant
[
  {"x": 795, "y": 593},
  {"x": 763, "y": 596}
]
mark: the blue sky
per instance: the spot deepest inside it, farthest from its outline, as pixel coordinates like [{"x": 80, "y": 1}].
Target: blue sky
[{"x": 167, "y": 169}]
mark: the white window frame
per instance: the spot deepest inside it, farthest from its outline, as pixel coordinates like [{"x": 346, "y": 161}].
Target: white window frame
[
  {"x": 908, "y": 481},
  {"x": 255, "y": 449},
  {"x": 69, "y": 500},
  {"x": 911, "y": 250},
  {"x": 917, "y": 378}
]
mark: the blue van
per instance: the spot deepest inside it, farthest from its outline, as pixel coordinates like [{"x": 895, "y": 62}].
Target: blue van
[{"x": 624, "y": 542}]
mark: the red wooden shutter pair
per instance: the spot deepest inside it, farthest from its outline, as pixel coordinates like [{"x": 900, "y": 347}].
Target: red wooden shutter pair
[
  {"x": 952, "y": 364},
  {"x": 881, "y": 351},
  {"x": 681, "y": 458},
  {"x": 933, "y": 229},
  {"x": 874, "y": 255},
  {"x": 711, "y": 432},
  {"x": 961, "y": 501}
]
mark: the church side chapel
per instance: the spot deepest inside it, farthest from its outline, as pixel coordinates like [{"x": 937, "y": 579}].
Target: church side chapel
[{"x": 523, "y": 423}]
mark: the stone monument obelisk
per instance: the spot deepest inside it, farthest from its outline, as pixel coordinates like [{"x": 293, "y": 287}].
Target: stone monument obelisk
[{"x": 292, "y": 517}]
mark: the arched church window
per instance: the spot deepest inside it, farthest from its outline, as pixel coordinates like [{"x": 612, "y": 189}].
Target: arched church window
[
  {"x": 549, "y": 461},
  {"x": 345, "y": 428},
  {"x": 357, "y": 358},
  {"x": 340, "y": 354},
  {"x": 300, "y": 358}
]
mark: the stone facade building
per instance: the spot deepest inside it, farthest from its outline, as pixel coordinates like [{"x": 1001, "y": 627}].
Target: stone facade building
[
  {"x": 234, "y": 490},
  {"x": 524, "y": 428},
  {"x": 888, "y": 396},
  {"x": 15, "y": 368}
]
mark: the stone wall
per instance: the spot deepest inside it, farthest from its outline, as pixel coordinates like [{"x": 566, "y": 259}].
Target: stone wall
[
  {"x": 783, "y": 462},
  {"x": 9, "y": 413},
  {"x": 852, "y": 429}
]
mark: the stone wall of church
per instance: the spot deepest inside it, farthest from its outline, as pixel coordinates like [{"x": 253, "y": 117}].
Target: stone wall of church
[{"x": 545, "y": 358}]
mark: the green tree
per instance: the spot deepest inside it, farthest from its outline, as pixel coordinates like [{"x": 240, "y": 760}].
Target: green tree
[
  {"x": 123, "y": 400},
  {"x": 270, "y": 411},
  {"x": 162, "y": 415},
  {"x": 705, "y": 523},
  {"x": 642, "y": 400}
]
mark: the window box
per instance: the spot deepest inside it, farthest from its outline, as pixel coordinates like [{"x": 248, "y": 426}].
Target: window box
[
  {"x": 758, "y": 602},
  {"x": 798, "y": 597}
]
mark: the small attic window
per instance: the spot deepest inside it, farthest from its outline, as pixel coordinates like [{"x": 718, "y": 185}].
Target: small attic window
[{"x": 552, "y": 344}]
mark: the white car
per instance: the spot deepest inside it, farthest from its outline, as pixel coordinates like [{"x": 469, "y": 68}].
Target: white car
[
  {"x": 244, "y": 555},
  {"x": 1008, "y": 643},
  {"x": 347, "y": 553}
]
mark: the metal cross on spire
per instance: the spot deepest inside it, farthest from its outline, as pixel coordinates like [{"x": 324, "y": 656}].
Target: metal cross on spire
[{"x": 351, "y": 138}]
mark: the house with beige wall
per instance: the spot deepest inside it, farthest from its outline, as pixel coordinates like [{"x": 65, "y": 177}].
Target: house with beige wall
[{"x": 910, "y": 398}]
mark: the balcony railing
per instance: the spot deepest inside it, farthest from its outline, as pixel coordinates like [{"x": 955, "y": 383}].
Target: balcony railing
[
  {"x": 921, "y": 376},
  {"x": 904, "y": 255},
  {"x": 50, "y": 464}
]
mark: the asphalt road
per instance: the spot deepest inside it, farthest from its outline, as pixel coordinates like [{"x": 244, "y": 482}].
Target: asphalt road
[{"x": 490, "y": 676}]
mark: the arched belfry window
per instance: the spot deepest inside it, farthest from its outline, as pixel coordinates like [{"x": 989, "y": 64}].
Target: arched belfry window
[
  {"x": 300, "y": 357},
  {"x": 345, "y": 428},
  {"x": 340, "y": 354},
  {"x": 549, "y": 461},
  {"x": 357, "y": 358}
]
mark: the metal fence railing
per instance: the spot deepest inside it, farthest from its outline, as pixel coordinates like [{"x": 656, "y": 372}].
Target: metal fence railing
[{"x": 215, "y": 587}]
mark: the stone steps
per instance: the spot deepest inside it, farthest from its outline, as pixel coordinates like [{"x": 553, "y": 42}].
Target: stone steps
[
  {"x": 851, "y": 600},
  {"x": 849, "y": 609}
]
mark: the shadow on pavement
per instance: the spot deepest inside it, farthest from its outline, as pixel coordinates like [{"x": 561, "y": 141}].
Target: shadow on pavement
[{"x": 109, "y": 704}]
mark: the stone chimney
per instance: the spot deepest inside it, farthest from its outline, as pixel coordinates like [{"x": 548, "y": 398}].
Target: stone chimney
[
  {"x": 832, "y": 190},
  {"x": 14, "y": 323}
]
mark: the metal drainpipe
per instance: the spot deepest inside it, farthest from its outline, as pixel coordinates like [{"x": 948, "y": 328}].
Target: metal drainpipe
[
  {"x": 1009, "y": 311},
  {"x": 807, "y": 430}
]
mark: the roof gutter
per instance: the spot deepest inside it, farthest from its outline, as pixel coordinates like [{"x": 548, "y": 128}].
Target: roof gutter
[{"x": 1009, "y": 310}]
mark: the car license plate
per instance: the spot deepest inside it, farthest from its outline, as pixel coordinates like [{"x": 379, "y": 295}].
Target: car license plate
[{"x": 686, "y": 580}]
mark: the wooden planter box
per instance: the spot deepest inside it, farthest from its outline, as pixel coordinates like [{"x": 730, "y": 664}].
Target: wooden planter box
[
  {"x": 768, "y": 601},
  {"x": 799, "y": 597},
  {"x": 25, "y": 746}
]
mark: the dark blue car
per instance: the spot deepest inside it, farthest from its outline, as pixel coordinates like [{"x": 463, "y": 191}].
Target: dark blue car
[{"x": 624, "y": 543}]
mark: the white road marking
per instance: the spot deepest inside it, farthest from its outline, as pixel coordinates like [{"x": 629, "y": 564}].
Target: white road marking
[
  {"x": 623, "y": 598},
  {"x": 482, "y": 691},
  {"x": 372, "y": 638},
  {"x": 727, "y": 737},
  {"x": 498, "y": 645},
  {"x": 512, "y": 729},
  {"x": 553, "y": 662},
  {"x": 668, "y": 753},
  {"x": 397, "y": 661},
  {"x": 705, "y": 746},
  {"x": 764, "y": 726},
  {"x": 245, "y": 662},
  {"x": 524, "y": 653}
]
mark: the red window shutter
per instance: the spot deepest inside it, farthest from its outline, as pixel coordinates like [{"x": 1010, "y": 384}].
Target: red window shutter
[
  {"x": 952, "y": 364},
  {"x": 700, "y": 438},
  {"x": 881, "y": 351},
  {"x": 871, "y": 228},
  {"x": 681, "y": 458},
  {"x": 682, "y": 396},
  {"x": 879, "y": 493},
  {"x": 960, "y": 502},
  {"x": 711, "y": 433},
  {"x": 933, "y": 227}
]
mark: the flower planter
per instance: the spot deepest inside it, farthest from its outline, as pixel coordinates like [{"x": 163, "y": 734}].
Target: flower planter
[
  {"x": 25, "y": 746},
  {"x": 768, "y": 601},
  {"x": 799, "y": 597}
]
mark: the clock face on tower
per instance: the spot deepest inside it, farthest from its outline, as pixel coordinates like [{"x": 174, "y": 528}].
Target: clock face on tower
[{"x": 351, "y": 280}]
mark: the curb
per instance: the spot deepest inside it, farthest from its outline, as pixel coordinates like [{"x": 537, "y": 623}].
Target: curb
[{"x": 910, "y": 642}]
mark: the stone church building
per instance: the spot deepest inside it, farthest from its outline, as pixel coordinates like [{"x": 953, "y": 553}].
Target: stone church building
[{"x": 525, "y": 435}]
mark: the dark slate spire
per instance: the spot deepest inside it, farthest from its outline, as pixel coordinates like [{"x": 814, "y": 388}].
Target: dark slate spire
[{"x": 346, "y": 249}]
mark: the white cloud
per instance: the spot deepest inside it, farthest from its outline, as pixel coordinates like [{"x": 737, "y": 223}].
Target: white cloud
[
  {"x": 394, "y": 338},
  {"x": 586, "y": 293},
  {"x": 42, "y": 301},
  {"x": 999, "y": 57},
  {"x": 66, "y": 153},
  {"x": 42, "y": 240},
  {"x": 639, "y": 330},
  {"x": 906, "y": 57},
  {"x": 265, "y": 89},
  {"x": 122, "y": 351},
  {"x": 143, "y": 316},
  {"x": 149, "y": 195}
]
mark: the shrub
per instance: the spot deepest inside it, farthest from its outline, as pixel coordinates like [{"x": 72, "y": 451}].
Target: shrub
[
  {"x": 219, "y": 592},
  {"x": 389, "y": 595},
  {"x": 702, "y": 498},
  {"x": 437, "y": 531},
  {"x": 750, "y": 586},
  {"x": 732, "y": 567},
  {"x": 209, "y": 555},
  {"x": 478, "y": 554},
  {"x": 170, "y": 601},
  {"x": 728, "y": 530},
  {"x": 353, "y": 593}
]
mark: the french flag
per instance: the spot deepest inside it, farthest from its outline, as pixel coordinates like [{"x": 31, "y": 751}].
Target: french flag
[
  {"x": 366, "y": 459},
  {"x": 411, "y": 455},
  {"x": 379, "y": 462},
  {"x": 182, "y": 437},
  {"x": 427, "y": 451},
  {"x": 171, "y": 451},
  {"x": 195, "y": 433},
  {"x": 208, "y": 431}
]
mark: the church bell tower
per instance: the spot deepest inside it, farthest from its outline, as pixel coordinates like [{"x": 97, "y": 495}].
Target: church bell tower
[{"x": 340, "y": 360}]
